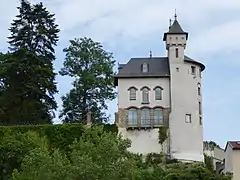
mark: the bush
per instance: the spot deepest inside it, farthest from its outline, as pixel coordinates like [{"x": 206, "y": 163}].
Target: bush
[
  {"x": 59, "y": 136},
  {"x": 14, "y": 148},
  {"x": 98, "y": 154}
]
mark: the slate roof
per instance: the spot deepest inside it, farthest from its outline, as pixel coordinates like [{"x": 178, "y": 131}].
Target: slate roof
[
  {"x": 158, "y": 67},
  {"x": 175, "y": 28},
  {"x": 235, "y": 145}
]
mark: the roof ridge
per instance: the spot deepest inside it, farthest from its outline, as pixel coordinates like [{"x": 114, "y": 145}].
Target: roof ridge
[{"x": 155, "y": 57}]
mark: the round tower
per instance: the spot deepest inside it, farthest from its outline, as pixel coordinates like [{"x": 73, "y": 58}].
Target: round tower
[{"x": 185, "y": 119}]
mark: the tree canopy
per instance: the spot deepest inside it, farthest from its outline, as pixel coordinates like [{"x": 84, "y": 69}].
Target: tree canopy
[
  {"x": 92, "y": 69},
  {"x": 26, "y": 71},
  {"x": 96, "y": 154}
]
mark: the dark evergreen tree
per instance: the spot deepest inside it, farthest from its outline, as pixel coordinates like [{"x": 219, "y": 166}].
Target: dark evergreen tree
[
  {"x": 92, "y": 69},
  {"x": 26, "y": 71}
]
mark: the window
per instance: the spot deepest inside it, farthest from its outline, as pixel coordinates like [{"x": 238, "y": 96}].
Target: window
[
  {"x": 176, "y": 52},
  {"x": 132, "y": 116},
  {"x": 144, "y": 67},
  {"x": 145, "y": 95},
  {"x": 200, "y": 120},
  {"x": 188, "y": 118},
  {"x": 158, "y": 116},
  {"x": 132, "y": 93},
  {"x": 200, "y": 72},
  {"x": 200, "y": 107},
  {"x": 177, "y": 69},
  {"x": 193, "y": 69},
  {"x": 199, "y": 91},
  {"x": 145, "y": 117},
  {"x": 158, "y": 93}
]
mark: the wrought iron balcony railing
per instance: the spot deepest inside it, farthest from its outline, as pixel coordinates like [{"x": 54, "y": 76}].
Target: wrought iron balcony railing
[{"x": 145, "y": 123}]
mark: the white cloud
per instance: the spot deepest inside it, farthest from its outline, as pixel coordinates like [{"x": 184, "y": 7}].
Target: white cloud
[
  {"x": 132, "y": 19},
  {"x": 223, "y": 37},
  {"x": 136, "y": 18}
]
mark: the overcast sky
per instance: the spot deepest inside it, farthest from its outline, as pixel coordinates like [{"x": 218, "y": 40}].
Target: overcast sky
[{"x": 130, "y": 28}]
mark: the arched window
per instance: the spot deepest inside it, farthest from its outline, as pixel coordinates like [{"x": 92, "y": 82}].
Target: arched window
[
  {"x": 132, "y": 93},
  {"x": 158, "y": 93},
  {"x": 158, "y": 116},
  {"x": 132, "y": 116},
  {"x": 145, "y": 117},
  {"x": 145, "y": 95}
]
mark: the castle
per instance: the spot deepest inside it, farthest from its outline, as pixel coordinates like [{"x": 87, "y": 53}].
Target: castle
[{"x": 155, "y": 92}]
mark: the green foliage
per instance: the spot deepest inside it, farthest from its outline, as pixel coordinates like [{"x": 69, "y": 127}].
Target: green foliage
[
  {"x": 59, "y": 135},
  {"x": 92, "y": 69},
  {"x": 17, "y": 141},
  {"x": 40, "y": 164},
  {"x": 153, "y": 159},
  {"x": 208, "y": 162},
  {"x": 211, "y": 144},
  {"x": 95, "y": 154},
  {"x": 26, "y": 71},
  {"x": 13, "y": 148},
  {"x": 162, "y": 134}
]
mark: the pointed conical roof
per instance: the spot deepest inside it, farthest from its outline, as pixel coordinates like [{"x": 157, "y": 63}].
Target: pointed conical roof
[{"x": 175, "y": 28}]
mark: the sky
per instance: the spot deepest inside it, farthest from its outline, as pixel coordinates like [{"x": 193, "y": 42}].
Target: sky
[{"x": 131, "y": 28}]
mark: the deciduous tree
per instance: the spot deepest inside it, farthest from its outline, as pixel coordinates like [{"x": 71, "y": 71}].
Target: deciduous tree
[{"x": 92, "y": 69}]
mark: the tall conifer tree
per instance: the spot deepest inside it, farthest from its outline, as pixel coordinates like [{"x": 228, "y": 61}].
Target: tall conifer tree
[{"x": 26, "y": 71}]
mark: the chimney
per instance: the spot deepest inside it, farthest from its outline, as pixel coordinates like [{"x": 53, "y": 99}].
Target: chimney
[
  {"x": 116, "y": 118},
  {"x": 89, "y": 119}
]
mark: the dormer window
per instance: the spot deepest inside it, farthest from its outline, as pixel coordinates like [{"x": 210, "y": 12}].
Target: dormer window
[{"x": 145, "y": 67}]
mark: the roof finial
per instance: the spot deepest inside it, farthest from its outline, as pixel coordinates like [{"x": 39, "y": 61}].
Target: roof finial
[
  {"x": 170, "y": 22},
  {"x": 150, "y": 54},
  {"x": 175, "y": 15}
]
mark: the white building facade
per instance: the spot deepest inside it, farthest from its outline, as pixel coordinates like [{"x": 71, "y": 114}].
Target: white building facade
[{"x": 162, "y": 91}]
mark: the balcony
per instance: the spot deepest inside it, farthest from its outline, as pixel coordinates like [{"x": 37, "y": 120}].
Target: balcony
[{"x": 145, "y": 123}]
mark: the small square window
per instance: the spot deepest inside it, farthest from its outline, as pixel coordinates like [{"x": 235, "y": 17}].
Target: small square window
[
  {"x": 193, "y": 70},
  {"x": 188, "y": 118}
]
